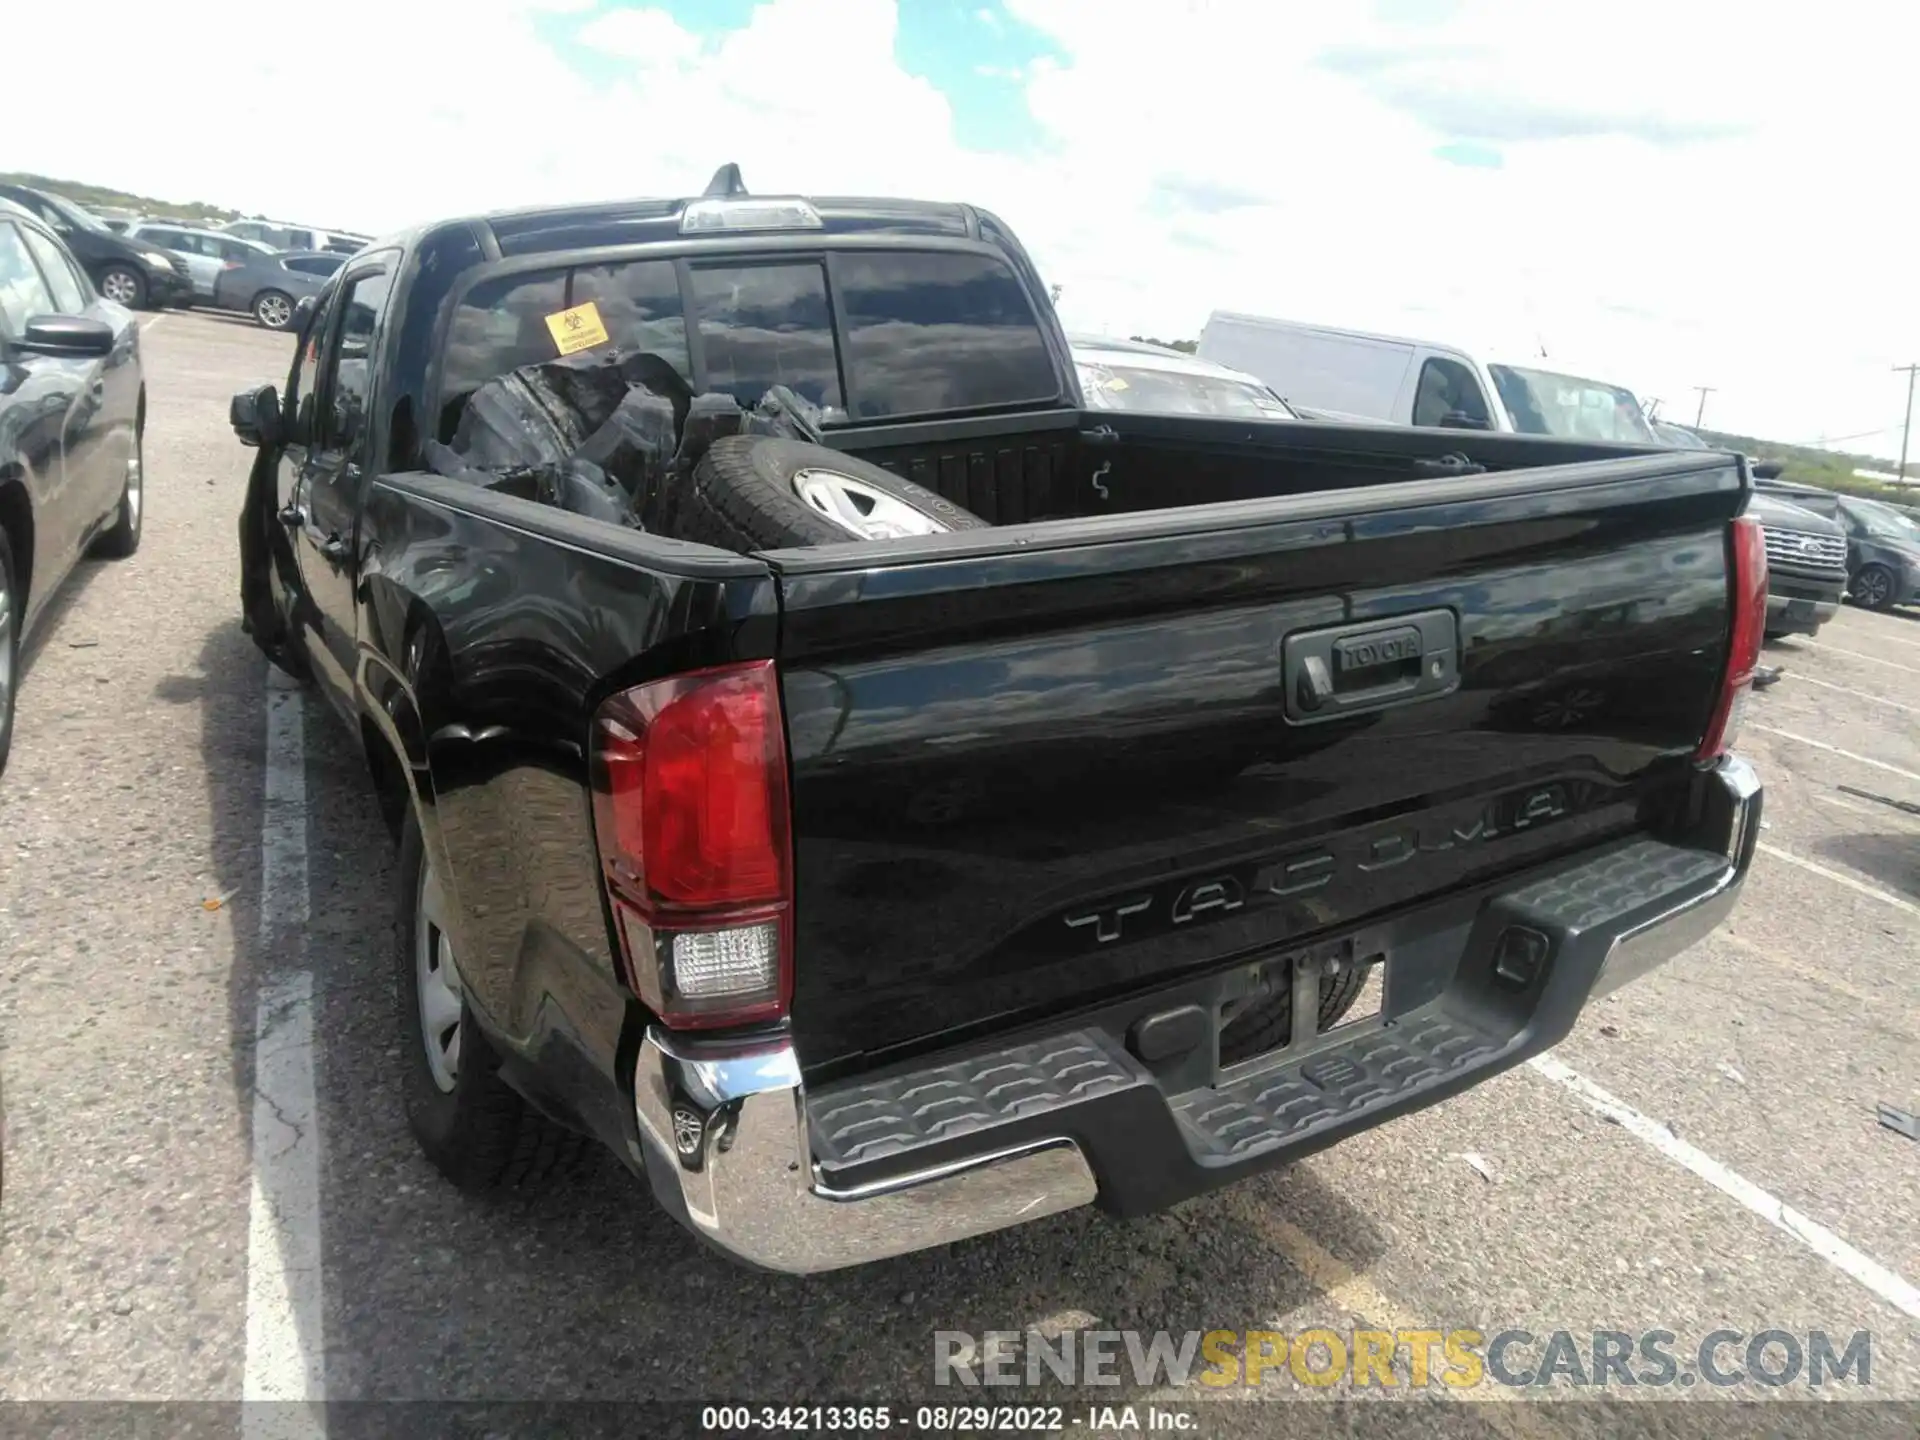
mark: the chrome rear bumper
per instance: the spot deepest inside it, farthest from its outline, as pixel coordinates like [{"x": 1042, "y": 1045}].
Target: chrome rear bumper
[{"x": 727, "y": 1151}]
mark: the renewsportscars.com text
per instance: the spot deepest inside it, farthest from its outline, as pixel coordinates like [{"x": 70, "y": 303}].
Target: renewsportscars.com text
[{"x": 1458, "y": 1358}]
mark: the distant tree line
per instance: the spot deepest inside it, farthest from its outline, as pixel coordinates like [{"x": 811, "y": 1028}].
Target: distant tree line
[
  {"x": 1185, "y": 347},
  {"x": 1808, "y": 465},
  {"x": 102, "y": 197}
]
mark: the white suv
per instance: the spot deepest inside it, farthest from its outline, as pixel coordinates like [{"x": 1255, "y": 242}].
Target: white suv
[{"x": 282, "y": 236}]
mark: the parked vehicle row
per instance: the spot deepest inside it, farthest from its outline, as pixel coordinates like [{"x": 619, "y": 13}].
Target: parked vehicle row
[
  {"x": 1358, "y": 375},
  {"x": 151, "y": 263},
  {"x": 279, "y": 235},
  {"x": 125, "y": 271},
  {"x": 1882, "y": 542},
  {"x": 73, "y": 410}
]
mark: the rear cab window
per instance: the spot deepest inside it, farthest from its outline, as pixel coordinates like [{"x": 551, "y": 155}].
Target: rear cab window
[
  {"x": 866, "y": 335},
  {"x": 928, "y": 332}
]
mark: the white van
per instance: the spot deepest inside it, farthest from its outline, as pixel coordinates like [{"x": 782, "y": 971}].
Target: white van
[{"x": 1334, "y": 374}]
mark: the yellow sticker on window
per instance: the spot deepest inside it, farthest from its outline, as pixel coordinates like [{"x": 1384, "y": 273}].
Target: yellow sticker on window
[{"x": 580, "y": 328}]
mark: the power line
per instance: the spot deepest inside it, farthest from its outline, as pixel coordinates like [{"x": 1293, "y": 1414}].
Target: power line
[
  {"x": 1907, "y": 423},
  {"x": 1826, "y": 440}
]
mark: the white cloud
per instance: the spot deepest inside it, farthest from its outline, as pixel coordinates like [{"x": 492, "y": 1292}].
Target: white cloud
[
  {"x": 1689, "y": 194},
  {"x": 652, "y": 37}
]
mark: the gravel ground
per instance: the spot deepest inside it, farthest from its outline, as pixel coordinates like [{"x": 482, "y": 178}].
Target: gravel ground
[{"x": 128, "y": 1014}]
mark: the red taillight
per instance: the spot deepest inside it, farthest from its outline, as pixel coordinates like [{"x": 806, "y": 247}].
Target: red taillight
[
  {"x": 690, "y": 809},
  {"x": 1747, "y": 565}
]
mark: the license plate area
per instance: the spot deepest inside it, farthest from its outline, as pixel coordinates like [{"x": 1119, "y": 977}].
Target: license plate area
[{"x": 1251, "y": 1034}]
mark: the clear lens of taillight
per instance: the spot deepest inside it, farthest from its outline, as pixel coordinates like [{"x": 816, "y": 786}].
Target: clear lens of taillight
[
  {"x": 690, "y": 802},
  {"x": 1747, "y": 568}
]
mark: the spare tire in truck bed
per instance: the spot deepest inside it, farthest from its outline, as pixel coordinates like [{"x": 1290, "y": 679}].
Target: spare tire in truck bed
[{"x": 759, "y": 492}]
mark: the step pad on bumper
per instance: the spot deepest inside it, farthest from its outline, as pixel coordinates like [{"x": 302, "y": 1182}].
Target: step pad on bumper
[
  {"x": 1615, "y": 884},
  {"x": 885, "y": 1117},
  {"x": 1264, "y": 1112}
]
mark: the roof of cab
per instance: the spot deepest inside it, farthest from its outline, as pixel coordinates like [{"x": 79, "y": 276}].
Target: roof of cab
[{"x": 534, "y": 230}]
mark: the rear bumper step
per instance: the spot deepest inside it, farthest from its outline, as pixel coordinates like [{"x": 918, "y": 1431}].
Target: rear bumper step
[{"x": 800, "y": 1180}]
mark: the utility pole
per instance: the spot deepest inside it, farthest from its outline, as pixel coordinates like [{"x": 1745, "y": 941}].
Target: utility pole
[
  {"x": 1908, "y": 422},
  {"x": 1701, "y": 413}
]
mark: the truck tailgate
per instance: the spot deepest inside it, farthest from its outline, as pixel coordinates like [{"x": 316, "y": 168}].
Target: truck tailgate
[{"x": 1038, "y": 766}]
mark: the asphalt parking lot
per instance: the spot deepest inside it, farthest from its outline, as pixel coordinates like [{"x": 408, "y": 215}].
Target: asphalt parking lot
[{"x": 1746, "y": 1076}]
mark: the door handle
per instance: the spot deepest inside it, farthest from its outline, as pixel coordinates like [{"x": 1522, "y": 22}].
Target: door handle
[
  {"x": 293, "y": 516},
  {"x": 1369, "y": 665}
]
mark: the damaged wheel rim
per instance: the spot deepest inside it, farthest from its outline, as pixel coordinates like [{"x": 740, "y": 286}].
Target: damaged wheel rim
[
  {"x": 862, "y": 510},
  {"x": 437, "y": 982}
]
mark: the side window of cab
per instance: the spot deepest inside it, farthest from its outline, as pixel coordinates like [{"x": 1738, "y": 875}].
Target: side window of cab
[{"x": 297, "y": 406}]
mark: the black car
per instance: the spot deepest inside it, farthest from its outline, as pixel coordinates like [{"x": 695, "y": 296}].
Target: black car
[
  {"x": 73, "y": 405},
  {"x": 269, "y": 287},
  {"x": 1883, "y": 542},
  {"x": 1883, "y": 553},
  {"x": 139, "y": 276}
]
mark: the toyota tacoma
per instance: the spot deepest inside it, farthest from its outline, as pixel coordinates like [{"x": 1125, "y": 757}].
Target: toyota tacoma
[{"x": 882, "y": 799}]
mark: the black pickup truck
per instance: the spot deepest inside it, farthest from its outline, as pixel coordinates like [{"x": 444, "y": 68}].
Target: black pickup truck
[{"x": 1025, "y": 837}]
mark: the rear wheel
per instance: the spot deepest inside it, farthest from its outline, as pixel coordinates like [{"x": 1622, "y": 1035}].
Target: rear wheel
[
  {"x": 124, "y": 285},
  {"x": 273, "y": 309},
  {"x": 756, "y": 492},
  {"x": 1873, "y": 587},
  {"x": 12, "y": 611},
  {"x": 124, "y": 538},
  {"x": 1268, "y": 1024},
  {"x": 473, "y": 1126}
]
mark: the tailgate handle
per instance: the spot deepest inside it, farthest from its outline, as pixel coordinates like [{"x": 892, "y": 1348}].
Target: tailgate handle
[{"x": 1370, "y": 665}]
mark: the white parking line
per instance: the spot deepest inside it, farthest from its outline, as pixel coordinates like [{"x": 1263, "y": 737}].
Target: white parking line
[
  {"x": 1871, "y": 892},
  {"x": 1800, "y": 679},
  {"x": 1844, "y": 754},
  {"x": 1871, "y": 659},
  {"x": 286, "y": 1357},
  {"x": 1883, "y": 1282},
  {"x": 150, "y": 322},
  {"x": 1879, "y": 634}
]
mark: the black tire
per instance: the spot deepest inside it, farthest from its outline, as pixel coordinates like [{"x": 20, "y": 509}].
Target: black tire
[
  {"x": 127, "y": 280},
  {"x": 1873, "y": 587},
  {"x": 742, "y": 496},
  {"x": 1268, "y": 1025},
  {"x": 480, "y": 1134},
  {"x": 276, "y": 304},
  {"x": 13, "y": 610},
  {"x": 124, "y": 538}
]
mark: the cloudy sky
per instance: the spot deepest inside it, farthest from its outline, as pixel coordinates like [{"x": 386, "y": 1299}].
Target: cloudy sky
[{"x": 1665, "y": 195}]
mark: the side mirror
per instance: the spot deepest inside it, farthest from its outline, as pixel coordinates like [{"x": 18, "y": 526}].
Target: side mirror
[
  {"x": 70, "y": 335},
  {"x": 301, "y": 311},
  {"x": 1768, "y": 469},
  {"x": 255, "y": 416},
  {"x": 1461, "y": 420}
]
